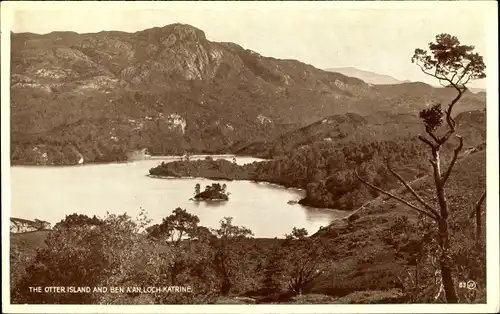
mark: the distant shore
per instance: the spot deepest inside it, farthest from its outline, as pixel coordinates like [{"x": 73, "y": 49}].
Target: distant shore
[
  {"x": 222, "y": 170},
  {"x": 152, "y": 157}
]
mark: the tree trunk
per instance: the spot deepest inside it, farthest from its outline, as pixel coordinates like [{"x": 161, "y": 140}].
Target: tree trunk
[
  {"x": 479, "y": 230},
  {"x": 226, "y": 281},
  {"x": 444, "y": 242},
  {"x": 445, "y": 263},
  {"x": 416, "y": 277},
  {"x": 173, "y": 274}
]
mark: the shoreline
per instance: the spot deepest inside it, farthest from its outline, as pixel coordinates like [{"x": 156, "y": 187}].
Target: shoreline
[
  {"x": 226, "y": 179},
  {"x": 152, "y": 158},
  {"x": 348, "y": 212}
]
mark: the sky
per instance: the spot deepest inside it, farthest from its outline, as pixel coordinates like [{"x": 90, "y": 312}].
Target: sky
[{"x": 378, "y": 37}]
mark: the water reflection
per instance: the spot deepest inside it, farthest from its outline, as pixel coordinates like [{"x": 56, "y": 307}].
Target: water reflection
[{"x": 50, "y": 193}]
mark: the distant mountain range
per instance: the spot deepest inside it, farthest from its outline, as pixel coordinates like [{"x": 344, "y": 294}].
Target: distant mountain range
[
  {"x": 379, "y": 79},
  {"x": 367, "y": 76},
  {"x": 96, "y": 97}
]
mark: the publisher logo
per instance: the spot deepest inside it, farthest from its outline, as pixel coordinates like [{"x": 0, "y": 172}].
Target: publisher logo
[{"x": 470, "y": 284}]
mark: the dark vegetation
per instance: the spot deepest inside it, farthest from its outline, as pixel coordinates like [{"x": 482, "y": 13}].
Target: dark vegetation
[
  {"x": 219, "y": 169},
  {"x": 456, "y": 64},
  {"x": 170, "y": 90},
  {"x": 325, "y": 169},
  {"x": 386, "y": 244},
  {"x": 388, "y": 250},
  {"x": 216, "y": 192},
  {"x": 379, "y": 254}
]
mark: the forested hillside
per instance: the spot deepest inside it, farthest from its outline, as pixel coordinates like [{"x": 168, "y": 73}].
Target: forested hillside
[
  {"x": 97, "y": 96},
  {"x": 322, "y": 157}
]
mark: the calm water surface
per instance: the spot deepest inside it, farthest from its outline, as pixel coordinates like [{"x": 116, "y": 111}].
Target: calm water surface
[{"x": 50, "y": 193}]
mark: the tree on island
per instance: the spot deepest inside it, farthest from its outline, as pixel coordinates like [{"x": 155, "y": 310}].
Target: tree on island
[
  {"x": 455, "y": 65},
  {"x": 212, "y": 192}
]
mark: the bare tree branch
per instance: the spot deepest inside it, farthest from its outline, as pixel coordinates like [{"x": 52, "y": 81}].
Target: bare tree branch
[
  {"x": 446, "y": 136},
  {"x": 477, "y": 206},
  {"x": 422, "y": 211},
  {"x": 436, "y": 172},
  {"x": 433, "y": 75},
  {"x": 426, "y": 141},
  {"x": 443, "y": 85},
  {"x": 454, "y": 160},
  {"x": 466, "y": 81},
  {"x": 453, "y": 77},
  {"x": 477, "y": 212},
  {"x": 412, "y": 191},
  {"x": 449, "y": 119},
  {"x": 434, "y": 137},
  {"x": 466, "y": 70},
  {"x": 481, "y": 200}
]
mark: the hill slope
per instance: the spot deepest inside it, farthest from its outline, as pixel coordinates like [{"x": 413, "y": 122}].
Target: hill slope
[
  {"x": 367, "y": 76},
  {"x": 368, "y": 253},
  {"x": 370, "y": 244},
  {"x": 341, "y": 129},
  {"x": 93, "y": 97}
]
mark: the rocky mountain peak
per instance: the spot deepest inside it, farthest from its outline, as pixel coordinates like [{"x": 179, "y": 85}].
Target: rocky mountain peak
[
  {"x": 126, "y": 86},
  {"x": 175, "y": 32},
  {"x": 185, "y": 31}
]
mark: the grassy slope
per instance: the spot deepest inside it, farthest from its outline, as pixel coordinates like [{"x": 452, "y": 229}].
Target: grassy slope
[
  {"x": 28, "y": 242},
  {"x": 363, "y": 261}
]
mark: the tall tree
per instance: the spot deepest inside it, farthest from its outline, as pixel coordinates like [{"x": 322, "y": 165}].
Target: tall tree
[
  {"x": 175, "y": 228},
  {"x": 225, "y": 261},
  {"x": 454, "y": 65},
  {"x": 302, "y": 260}
]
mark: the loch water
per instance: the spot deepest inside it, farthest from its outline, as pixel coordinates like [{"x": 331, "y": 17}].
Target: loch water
[{"x": 51, "y": 193}]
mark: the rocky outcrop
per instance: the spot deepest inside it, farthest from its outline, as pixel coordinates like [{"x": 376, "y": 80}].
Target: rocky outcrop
[
  {"x": 171, "y": 90},
  {"x": 18, "y": 225}
]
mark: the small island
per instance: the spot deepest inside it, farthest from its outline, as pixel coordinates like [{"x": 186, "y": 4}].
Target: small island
[
  {"x": 209, "y": 168},
  {"x": 214, "y": 192}
]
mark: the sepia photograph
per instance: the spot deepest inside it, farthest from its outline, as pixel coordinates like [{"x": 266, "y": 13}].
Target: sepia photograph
[{"x": 250, "y": 157}]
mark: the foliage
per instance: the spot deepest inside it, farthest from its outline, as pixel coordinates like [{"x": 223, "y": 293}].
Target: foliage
[
  {"x": 226, "y": 261},
  {"x": 75, "y": 220},
  {"x": 216, "y": 191},
  {"x": 297, "y": 233},
  {"x": 105, "y": 94},
  {"x": 116, "y": 253},
  {"x": 432, "y": 117},
  {"x": 84, "y": 255},
  {"x": 451, "y": 61},
  {"x": 455, "y": 64},
  {"x": 303, "y": 260},
  {"x": 174, "y": 227}
]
